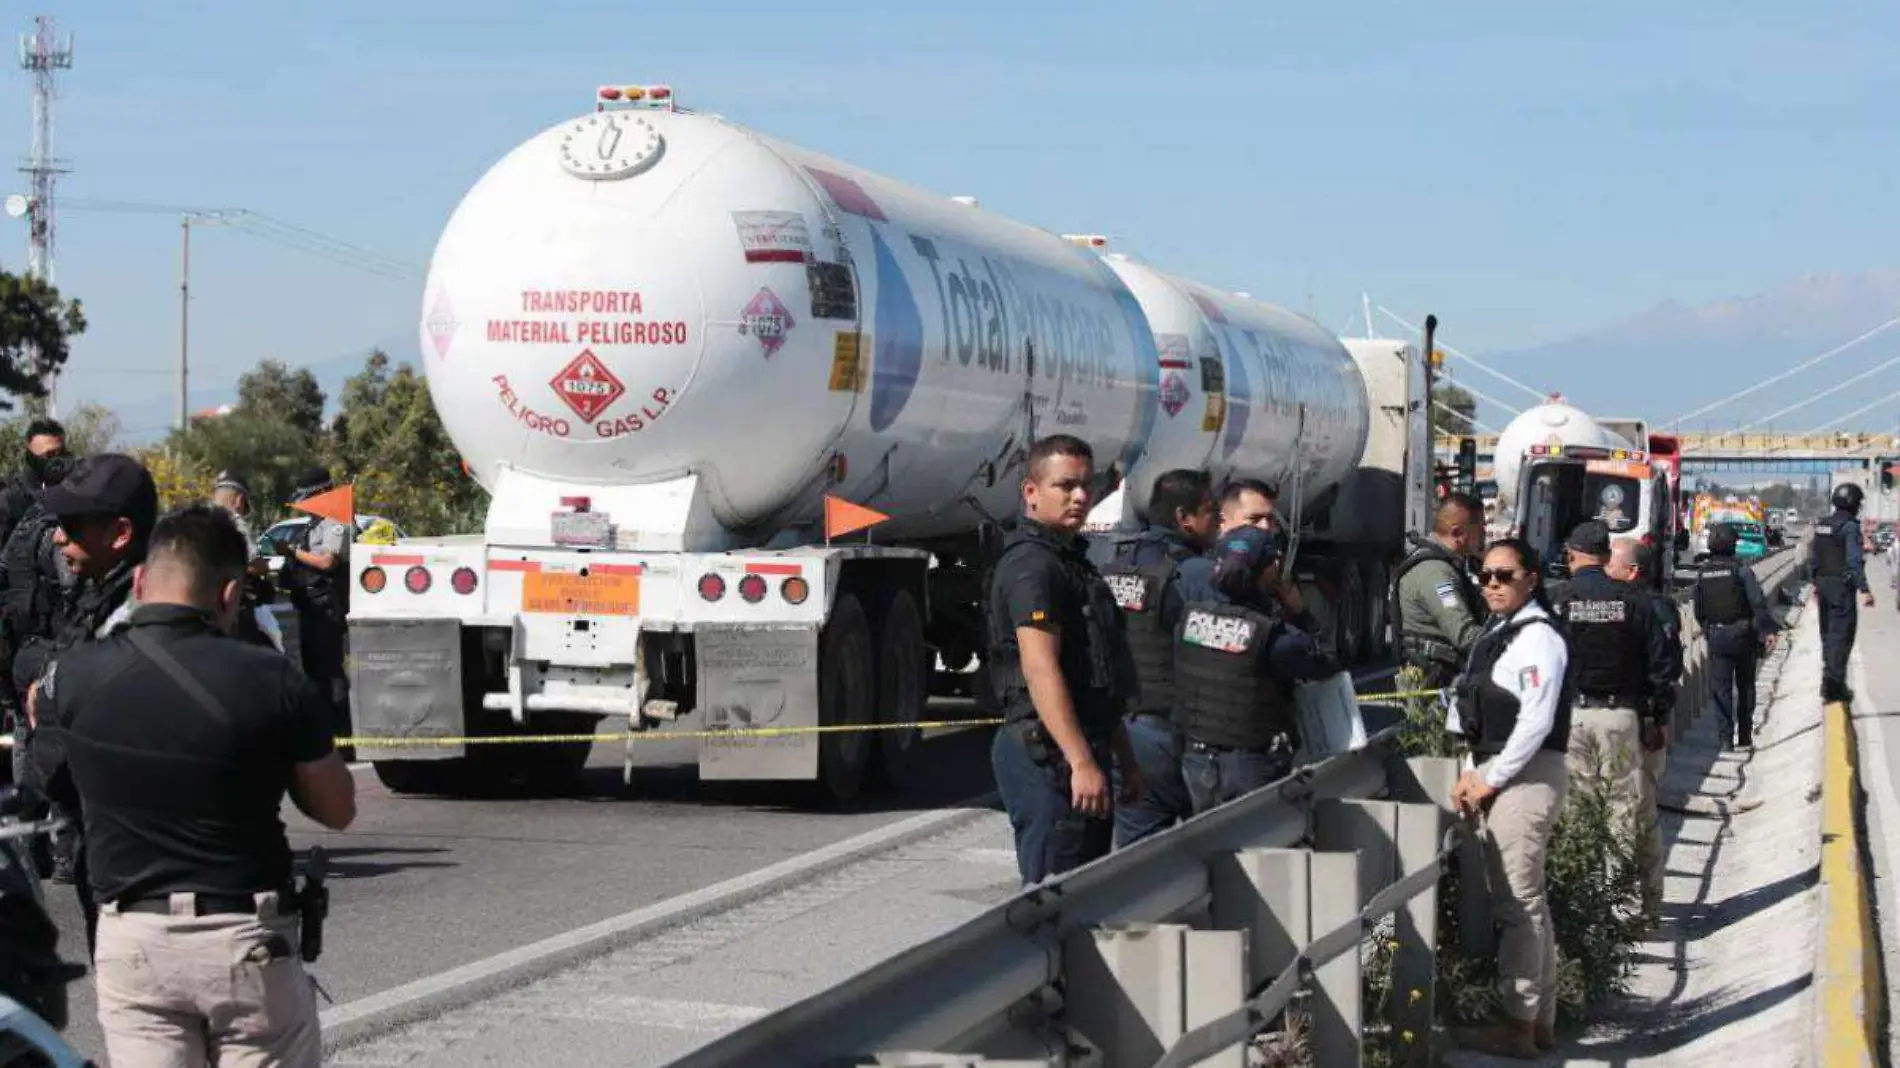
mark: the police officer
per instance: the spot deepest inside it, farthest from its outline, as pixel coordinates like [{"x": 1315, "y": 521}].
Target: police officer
[
  {"x": 181, "y": 744},
  {"x": 1236, "y": 662},
  {"x": 33, "y": 583},
  {"x": 316, "y": 576},
  {"x": 1513, "y": 709},
  {"x": 105, "y": 509},
  {"x": 1838, "y": 568},
  {"x": 256, "y": 624},
  {"x": 1633, "y": 563},
  {"x": 1619, "y": 660},
  {"x": 1435, "y": 608},
  {"x": 1143, "y": 574},
  {"x": 1060, "y": 671},
  {"x": 1244, "y": 502},
  {"x": 45, "y": 441},
  {"x": 1729, "y": 604}
]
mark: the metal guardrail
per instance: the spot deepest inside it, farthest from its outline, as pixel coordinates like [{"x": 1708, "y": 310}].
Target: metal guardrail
[{"x": 1176, "y": 948}]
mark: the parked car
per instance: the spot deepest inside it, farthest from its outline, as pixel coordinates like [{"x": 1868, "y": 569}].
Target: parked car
[
  {"x": 1751, "y": 541},
  {"x": 270, "y": 544}
]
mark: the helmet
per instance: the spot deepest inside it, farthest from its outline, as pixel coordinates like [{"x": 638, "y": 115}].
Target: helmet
[
  {"x": 1847, "y": 497},
  {"x": 1722, "y": 540}
]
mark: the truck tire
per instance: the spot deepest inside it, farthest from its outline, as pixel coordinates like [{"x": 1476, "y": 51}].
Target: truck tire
[
  {"x": 554, "y": 766},
  {"x": 903, "y": 673},
  {"x": 847, "y": 690},
  {"x": 423, "y": 776},
  {"x": 1349, "y": 633}
]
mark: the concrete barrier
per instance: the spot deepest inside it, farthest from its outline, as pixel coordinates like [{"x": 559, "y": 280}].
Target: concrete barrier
[{"x": 1850, "y": 991}]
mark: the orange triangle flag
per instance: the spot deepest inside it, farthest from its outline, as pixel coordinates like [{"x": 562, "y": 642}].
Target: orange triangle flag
[
  {"x": 338, "y": 504},
  {"x": 843, "y": 517}
]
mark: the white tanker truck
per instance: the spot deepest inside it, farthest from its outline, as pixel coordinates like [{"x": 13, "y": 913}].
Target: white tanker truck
[{"x": 662, "y": 341}]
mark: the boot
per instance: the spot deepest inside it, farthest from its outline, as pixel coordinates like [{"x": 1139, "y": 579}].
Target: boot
[
  {"x": 1516, "y": 1039},
  {"x": 1546, "y": 1037}
]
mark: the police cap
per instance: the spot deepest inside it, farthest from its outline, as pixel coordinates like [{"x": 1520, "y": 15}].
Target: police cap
[
  {"x": 1245, "y": 551},
  {"x": 1591, "y": 538},
  {"x": 110, "y": 485}
]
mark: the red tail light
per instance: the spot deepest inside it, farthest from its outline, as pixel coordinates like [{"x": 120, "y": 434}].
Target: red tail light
[
  {"x": 417, "y": 579},
  {"x": 752, "y": 588},
  {"x": 711, "y": 586},
  {"x": 463, "y": 581}
]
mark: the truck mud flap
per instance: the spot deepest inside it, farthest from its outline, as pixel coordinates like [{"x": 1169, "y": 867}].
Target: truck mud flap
[
  {"x": 753, "y": 679},
  {"x": 406, "y": 682}
]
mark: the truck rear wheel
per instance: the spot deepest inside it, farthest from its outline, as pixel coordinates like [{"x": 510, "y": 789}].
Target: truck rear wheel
[
  {"x": 847, "y": 688},
  {"x": 423, "y": 776},
  {"x": 903, "y": 666}
]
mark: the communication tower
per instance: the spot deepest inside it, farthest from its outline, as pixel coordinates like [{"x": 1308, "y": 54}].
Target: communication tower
[{"x": 42, "y": 54}]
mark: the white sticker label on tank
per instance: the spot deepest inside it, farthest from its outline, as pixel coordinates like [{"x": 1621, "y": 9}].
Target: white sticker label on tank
[{"x": 773, "y": 236}]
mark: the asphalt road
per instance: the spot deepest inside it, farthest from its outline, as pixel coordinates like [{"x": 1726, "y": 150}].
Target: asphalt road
[{"x": 420, "y": 885}]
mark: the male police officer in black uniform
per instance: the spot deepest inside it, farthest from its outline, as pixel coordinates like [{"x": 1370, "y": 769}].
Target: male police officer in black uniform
[
  {"x": 181, "y": 743},
  {"x": 1236, "y": 662},
  {"x": 1143, "y": 575},
  {"x": 1061, "y": 673},
  {"x": 1435, "y": 610},
  {"x": 1734, "y": 614},
  {"x": 1620, "y": 663},
  {"x": 1837, "y": 567},
  {"x": 106, "y": 509}
]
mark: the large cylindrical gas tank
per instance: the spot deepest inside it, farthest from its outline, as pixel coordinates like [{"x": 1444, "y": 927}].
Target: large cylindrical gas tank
[
  {"x": 634, "y": 296},
  {"x": 1550, "y": 423},
  {"x": 1246, "y": 390}
]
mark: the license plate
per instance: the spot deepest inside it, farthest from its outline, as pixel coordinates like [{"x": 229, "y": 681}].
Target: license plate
[{"x": 570, "y": 593}]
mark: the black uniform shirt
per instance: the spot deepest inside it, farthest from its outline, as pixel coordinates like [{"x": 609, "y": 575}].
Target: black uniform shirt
[
  {"x": 1032, "y": 588},
  {"x": 1657, "y": 672},
  {"x": 178, "y": 797}
]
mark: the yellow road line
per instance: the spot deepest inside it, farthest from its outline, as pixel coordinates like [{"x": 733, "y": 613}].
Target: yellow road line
[{"x": 1850, "y": 974}]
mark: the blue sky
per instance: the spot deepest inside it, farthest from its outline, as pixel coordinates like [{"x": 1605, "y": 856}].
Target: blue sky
[{"x": 1525, "y": 170}]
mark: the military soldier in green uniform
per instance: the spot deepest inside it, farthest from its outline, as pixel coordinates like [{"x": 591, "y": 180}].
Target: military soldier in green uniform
[{"x": 1436, "y": 610}]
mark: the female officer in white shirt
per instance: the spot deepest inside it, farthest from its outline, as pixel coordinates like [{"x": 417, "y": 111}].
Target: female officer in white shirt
[{"x": 1514, "y": 712}]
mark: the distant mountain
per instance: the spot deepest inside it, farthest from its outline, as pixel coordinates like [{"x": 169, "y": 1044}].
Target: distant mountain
[{"x": 1673, "y": 359}]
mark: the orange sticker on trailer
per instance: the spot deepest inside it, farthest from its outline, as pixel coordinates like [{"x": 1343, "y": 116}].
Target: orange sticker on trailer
[
  {"x": 570, "y": 593},
  {"x": 1619, "y": 468}
]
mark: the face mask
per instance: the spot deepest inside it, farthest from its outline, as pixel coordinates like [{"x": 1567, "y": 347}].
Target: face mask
[{"x": 50, "y": 470}]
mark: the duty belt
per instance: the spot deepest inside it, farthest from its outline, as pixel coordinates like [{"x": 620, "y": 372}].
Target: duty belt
[
  {"x": 1429, "y": 649},
  {"x": 1609, "y": 700},
  {"x": 208, "y": 904}
]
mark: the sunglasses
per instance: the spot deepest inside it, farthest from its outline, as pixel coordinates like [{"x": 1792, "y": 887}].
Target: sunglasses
[{"x": 1502, "y": 575}]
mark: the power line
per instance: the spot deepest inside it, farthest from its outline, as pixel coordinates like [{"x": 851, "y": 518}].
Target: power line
[
  {"x": 1828, "y": 392},
  {"x": 1540, "y": 395},
  {"x": 267, "y": 228},
  {"x": 1832, "y": 423},
  {"x": 1473, "y": 420},
  {"x": 1468, "y": 388},
  {"x": 1789, "y": 373}
]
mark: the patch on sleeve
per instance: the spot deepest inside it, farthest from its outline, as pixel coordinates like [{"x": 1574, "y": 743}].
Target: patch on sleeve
[
  {"x": 1528, "y": 678},
  {"x": 1448, "y": 594}
]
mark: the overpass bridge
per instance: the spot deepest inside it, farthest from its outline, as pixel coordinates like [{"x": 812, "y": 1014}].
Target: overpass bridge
[{"x": 1754, "y": 450}]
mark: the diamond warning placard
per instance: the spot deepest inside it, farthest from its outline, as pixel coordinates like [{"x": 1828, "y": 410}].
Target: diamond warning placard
[{"x": 586, "y": 385}]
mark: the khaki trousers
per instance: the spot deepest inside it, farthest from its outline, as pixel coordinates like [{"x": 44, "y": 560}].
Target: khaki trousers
[
  {"x": 1515, "y": 836},
  {"x": 184, "y": 991},
  {"x": 1606, "y": 745},
  {"x": 1653, "y": 767}
]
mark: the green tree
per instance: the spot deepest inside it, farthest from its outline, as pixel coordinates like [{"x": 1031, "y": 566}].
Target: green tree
[
  {"x": 294, "y": 397},
  {"x": 36, "y": 325},
  {"x": 390, "y": 441},
  {"x": 1445, "y": 424}
]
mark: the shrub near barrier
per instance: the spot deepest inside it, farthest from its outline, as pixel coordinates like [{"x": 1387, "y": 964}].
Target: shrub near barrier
[{"x": 1594, "y": 876}]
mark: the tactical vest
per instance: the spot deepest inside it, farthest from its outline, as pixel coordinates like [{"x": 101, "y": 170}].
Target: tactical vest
[
  {"x": 1606, "y": 645},
  {"x": 1830, "y": 547},
  {"x": 1104, "y": 676},
  {"x": 1720, "y": 593},
  {"x": 33, "y": 596},
  {"x": 1487, "y": 712},
  {"x": 1429, "y": 652},
  {"x": 1138, "y": 590},
  {"x": 1224, "y": 695}
]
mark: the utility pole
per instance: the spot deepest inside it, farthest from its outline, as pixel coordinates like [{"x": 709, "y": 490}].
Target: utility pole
[
  {"x": 184, "y": 322},
  {"x": 42, "y": 54}
]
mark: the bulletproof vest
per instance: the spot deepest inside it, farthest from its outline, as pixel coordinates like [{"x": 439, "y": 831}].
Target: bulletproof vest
[
  {"x": 1830, "y": 546},
  {"x": 1103, "y": 665},
  {"x": 1138, "y": 589},
  {"x": 1224, "y": 695},
  {"x": 1487, "y": 712},
  {"x": 1720, "y": 589},
  {"x": 1419, "y": 648},
  {"x": 33, "y": 596},
  {"x": 1606, "y": 643}
]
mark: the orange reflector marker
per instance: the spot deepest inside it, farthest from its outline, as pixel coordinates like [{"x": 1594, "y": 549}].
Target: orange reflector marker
[
  {"x": 843, "y": 517},
  {"x": 774, "y": 569},
  {"x": 794, "y": 590},
  {"x": 373, "y": 580},
  {"x": 634, "y": 92}
]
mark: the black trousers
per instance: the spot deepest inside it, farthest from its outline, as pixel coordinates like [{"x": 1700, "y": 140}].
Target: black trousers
[
  {"x": 1840, "y": 619},
  {"x": 320, "y": 638},
  {"x": 1733, "y": 657}
]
